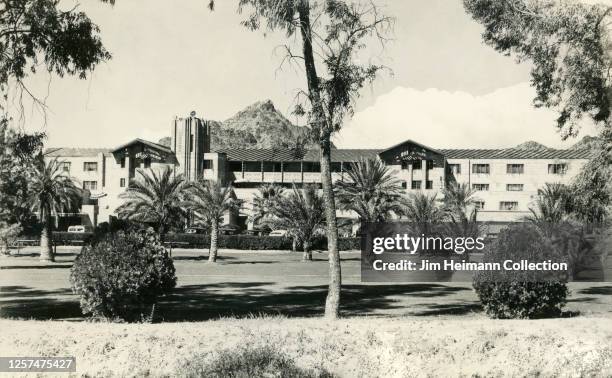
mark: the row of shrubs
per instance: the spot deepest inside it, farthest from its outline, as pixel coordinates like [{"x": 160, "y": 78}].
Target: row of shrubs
[{"x": 241, "y": 242}]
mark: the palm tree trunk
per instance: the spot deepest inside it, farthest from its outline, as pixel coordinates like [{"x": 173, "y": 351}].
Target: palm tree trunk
[
  {"x": 214, "y": 237},
  {"x": 46, "y": 247},
  {"x": 294, "y": 244},
  {"x": 307, "y": 255},
  {"x": 332, "y": 304}
]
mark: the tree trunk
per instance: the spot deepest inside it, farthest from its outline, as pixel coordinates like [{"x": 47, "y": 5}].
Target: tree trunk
[
  {"x": 294, "y": 244},
  {"x": 332, "y": 304},
  {"x": 214, "y": 237},
  {"x": 323, "y": 133},
  {"x": 307, "y": 255},
  {"x": 46, "y": 247}
]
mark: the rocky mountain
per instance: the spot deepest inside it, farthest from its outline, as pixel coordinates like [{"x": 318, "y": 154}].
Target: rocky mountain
[
  {"x": 587, "y": 142},
  {"x": 259, "y": 125},
  {"x": 531, "y": 145}
]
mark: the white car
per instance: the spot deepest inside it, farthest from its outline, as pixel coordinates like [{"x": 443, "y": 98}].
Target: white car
[
  {"x": 76, "y": 229},
  {"x": 278, "y": 233}
]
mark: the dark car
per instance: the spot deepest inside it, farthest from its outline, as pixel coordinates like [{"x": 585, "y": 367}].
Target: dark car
[{"x": 229, "y": 229}]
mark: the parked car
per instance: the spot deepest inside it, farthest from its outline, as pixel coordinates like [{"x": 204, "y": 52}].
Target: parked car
[
  {"x": 196, "y": 230},
  {"x": 278, "y": 233},
  {"x": 229, "y": 229},
  {"x": 77, "y": 229}
]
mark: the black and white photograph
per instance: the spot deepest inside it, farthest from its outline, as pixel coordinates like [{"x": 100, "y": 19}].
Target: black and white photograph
[{"x": 306, "y": 188}]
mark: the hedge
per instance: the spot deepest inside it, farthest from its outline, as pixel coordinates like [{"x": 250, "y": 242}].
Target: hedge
[
  {"x": 241, "y": 242},
  {"x": 251, "y": 242}
]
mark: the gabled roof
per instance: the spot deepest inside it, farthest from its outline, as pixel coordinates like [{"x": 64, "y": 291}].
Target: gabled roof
[
  {"x": 146, "y": 143},
  {"x": 410, "y": 141},
  {"x": 515, "y": 153}
]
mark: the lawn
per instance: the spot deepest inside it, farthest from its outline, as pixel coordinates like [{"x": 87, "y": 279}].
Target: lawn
[
  {"x": 393, "y": 330},
  {"x": 259, "y": 283}
]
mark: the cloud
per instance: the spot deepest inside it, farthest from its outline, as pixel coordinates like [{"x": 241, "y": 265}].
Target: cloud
[{"x": 442, "y": 119}]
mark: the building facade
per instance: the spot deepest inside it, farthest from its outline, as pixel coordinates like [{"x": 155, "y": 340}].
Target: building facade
[{"x": 506, "y": 180}]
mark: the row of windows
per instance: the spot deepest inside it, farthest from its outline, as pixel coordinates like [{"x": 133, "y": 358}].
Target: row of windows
[
  {"x": 503, "y": 205},
  {"x": 555, "y": 169},
  {"x": 418, "y": 184},
  {"x": 509, "y": 187},
  {"x": 92, "y": 166}
]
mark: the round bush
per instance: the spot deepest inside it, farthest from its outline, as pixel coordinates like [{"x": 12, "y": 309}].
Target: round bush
[
  {"x": 122, "y": 275},
  {"x": 506, "y": 295}
]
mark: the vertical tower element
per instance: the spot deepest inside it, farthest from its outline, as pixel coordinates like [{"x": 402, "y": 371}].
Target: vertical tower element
[{"x": 190, "y": 141}]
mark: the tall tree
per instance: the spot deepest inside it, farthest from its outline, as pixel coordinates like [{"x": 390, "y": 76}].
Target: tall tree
[
  {"x": 264, "y": 199},
  {"x": 301, "y": 214},
  {"x": 154, "y": 197},
  {"x": 209, "y": 201},
  {"x": 370, "y": 190},
  {"x": 51, "y": 192},
  {"x": 570, "y": 47},
  {"x": 332, "y": 34}
]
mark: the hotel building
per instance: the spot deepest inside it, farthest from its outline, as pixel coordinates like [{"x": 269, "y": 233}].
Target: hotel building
[{"x": 506, "y": 180}]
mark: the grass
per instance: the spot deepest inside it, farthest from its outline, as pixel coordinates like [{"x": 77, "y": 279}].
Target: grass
[{"x": 354, "y": 347}]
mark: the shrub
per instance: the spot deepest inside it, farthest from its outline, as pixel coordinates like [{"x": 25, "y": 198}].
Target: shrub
[
  {"x": 522, "y": 294},
  {"x": 122, "y": 275},
  {"x": 251, "y": 362}
]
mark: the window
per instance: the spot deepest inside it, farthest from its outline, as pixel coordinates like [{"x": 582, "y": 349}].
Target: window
[
  {"x": 294, "y": 167},
  {"x": 336, "y": 167},
  {"x": 454, "y": 169},
  {"x": 428, "y": 184},
  {"x": 416, "y": 184},
  {"x": 191, "y": 143},
  {"x": 90, "y": 185},
  {"x": 66, "y": 166},
  {"x": 508, "y": 205},
  {"x": 405, "y": 164},
  {"x": 480, "y": 187},
  {"x": 479, "y": 205},
  {"x": 515, "y": 168},
  {"x": 404, "y": 185},
  {"x": 429, "y": 164},
  {"x": 312, "y": 167},
  {"x": 122, "y": 162},
  {"x": 514, "y": 187},
  {"x": 557, "y": 169},
  {"x": 481, "y": 168},
  {"x": 122, "y": 183},
  {"x": 147, "y": 162},
  {"x": 417, "y": 164},
  {"x": 90, "y": 166},
  {"x": 235, "y": 166},
  {"x": 208, "y": 164}
]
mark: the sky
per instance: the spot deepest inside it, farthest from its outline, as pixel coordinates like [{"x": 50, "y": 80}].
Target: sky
[{"x": 447, "y": 90}]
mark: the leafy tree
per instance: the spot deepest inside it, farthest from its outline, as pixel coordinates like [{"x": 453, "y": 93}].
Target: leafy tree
[
  {"x": 332, "y": 34},
  {"x": 51, "y": 192},
  {"x": 371, "y": 191},
  {"x": 35, "y": 33},
  {"x": 155, "y": 197},
  {"x": 569, "y": 46},
  {"x": 301, "y": 213},
  {"x": 209, "y": 201}
]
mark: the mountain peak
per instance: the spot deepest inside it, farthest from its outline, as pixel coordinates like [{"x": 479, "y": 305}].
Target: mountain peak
[
  {"x": 587, "y": 142},
  {"x": 531, "y": 145}
]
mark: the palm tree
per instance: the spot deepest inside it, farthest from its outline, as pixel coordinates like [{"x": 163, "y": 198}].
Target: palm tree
[
  {"x": 423, "y": 211},
  {"x": 209, "y": 201},
  {"x": 302, "y": 214},
  {"x": 51, "y": 193},
  {"x": 552, "y": 204},
  {"x": 267, "y": 195},
  {"x": 460, "y": 209},
  {"x": 371, "y": 191},
  {"x": 155, "y": 197}
]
